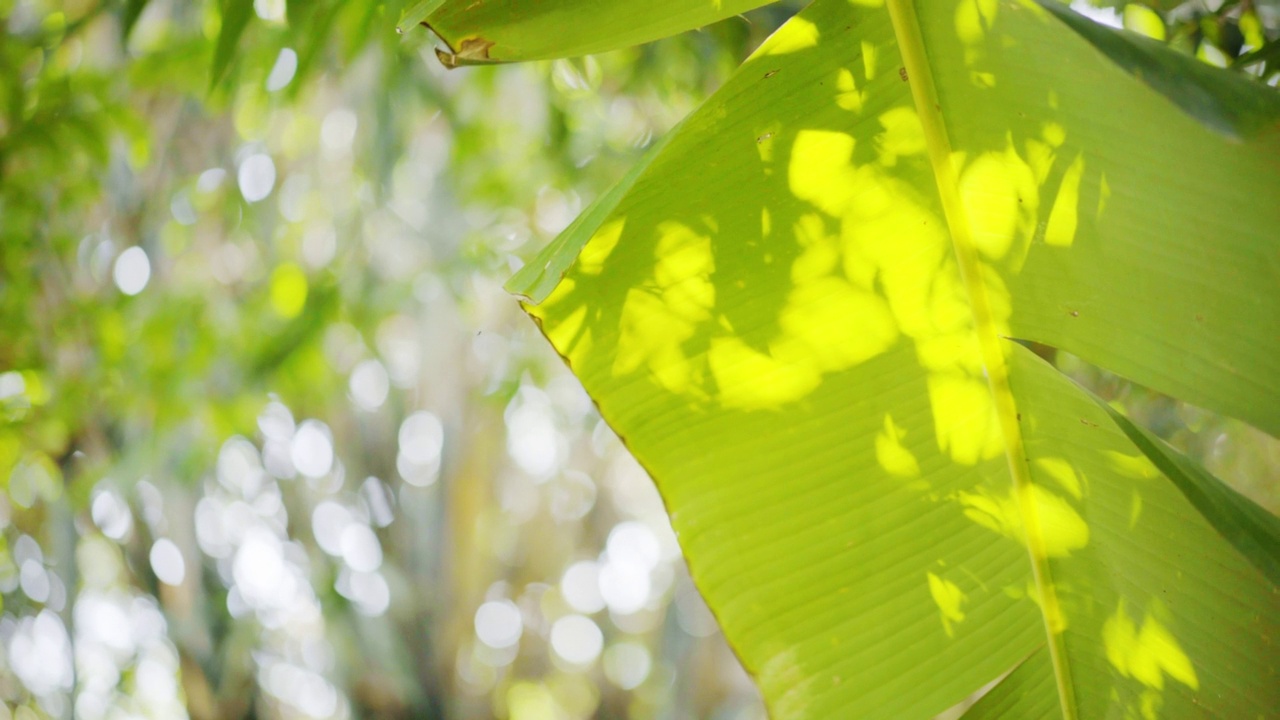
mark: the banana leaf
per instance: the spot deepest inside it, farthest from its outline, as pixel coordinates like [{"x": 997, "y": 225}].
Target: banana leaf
[
  {"x": 491, "y": 31},
  {"x": 808, "y": 312}
]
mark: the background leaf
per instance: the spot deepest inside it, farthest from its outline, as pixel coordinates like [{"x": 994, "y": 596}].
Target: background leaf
[
  {"x": 1251, "y": 529},
  {"x": 235, "y": 18},
  {"x": 132, "y": 11},
  {"x": 513, "y": 30}
]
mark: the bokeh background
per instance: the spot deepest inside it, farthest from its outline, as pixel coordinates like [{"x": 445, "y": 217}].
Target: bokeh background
[{"x": 274, "y": 443}]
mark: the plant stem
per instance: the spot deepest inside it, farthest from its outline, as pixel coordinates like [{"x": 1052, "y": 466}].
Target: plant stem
[{"x": 906, "y": 26}]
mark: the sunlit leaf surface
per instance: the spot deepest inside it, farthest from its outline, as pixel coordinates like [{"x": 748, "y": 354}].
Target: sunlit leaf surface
[{"x": 798, "y": 317}]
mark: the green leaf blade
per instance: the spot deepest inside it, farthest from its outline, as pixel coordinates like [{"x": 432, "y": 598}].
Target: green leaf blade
[
  {"x": 518, "y": 30},
  {"x": 772, "y": 315}
]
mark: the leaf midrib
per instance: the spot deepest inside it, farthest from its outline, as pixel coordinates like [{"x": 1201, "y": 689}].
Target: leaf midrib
[{"x": 906, "y": 27}]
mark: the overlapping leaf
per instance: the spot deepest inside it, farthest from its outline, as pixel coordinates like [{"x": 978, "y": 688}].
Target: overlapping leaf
[
  {"x": 797, "y": 312},
  {"x": 235, "y": 18},
  {"x": 512, "y": 30}
]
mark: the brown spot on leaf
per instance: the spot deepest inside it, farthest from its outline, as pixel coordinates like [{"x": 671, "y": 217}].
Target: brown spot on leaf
[
  {"x": 470, "y": 51},
  {"x": 902, "y": 73}
]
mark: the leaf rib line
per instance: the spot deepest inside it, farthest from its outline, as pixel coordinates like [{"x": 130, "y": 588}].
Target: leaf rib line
[{"x": 906, "y": 26}]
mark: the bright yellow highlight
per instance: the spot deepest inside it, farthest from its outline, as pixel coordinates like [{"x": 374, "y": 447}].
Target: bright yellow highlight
[
  {"x": 1062, "y": 527},
  {"x": 903, "y": 242},
  {"x": 1138, "y": 467},
  {"x": 798, "y": 34},
  {"x": 1147, "y": 654},
  {"x": 1144, "y": 20},
  {"x": 654, "y": 325},
  {"x": 752, "y": 380},
  {"x": 1062, "y": 473},
  {"x": 1251, "y": 28},
  {"x": 949, "y": 598},
  {"x": 1054, "y": 134},
  {"x": 597, "y": 250},
  {"x": 892, "y": 455},
  {"x": 973, "y": 17},
  {"x": 649, "y": 332},
  {"x": 833, "y": 325},
  {"x": 902, "y": 136},
  {"x": 1061, "y": 231},
  {"x": 1063, "y": 530},
  {"x": 821, "y": 253},
  {"x": 964, "y": 418},
  {"x": 827, "y": 325},
  {"x": 531, "y": 701},
  {"x": 998, "y": 191},
  {"x": 683, "y": 270},
  {"x": 288, "y": 290},
  {"x": 1040, "y": 156},
  {"x": 848, "y": 96},
  {"x": 951, "y": 344},
  {"x": 820, "y": 171},
  {"x": 569, "y": 333}
]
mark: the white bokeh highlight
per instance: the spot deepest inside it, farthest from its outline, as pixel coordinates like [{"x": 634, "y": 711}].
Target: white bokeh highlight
[{"x": 132, "y": 271}]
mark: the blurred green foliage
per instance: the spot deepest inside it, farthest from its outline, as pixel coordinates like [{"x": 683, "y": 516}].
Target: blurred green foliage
[
  {"x": 250, "y": 268},
  {"x": 1235, "y": 33}
]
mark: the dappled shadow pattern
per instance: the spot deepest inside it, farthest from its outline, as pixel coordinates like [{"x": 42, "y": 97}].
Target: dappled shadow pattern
[{"x": 776, "y": 320}]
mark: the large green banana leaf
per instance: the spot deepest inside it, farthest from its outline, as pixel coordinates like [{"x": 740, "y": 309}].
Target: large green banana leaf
[{"x": 799, "y": 313}]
